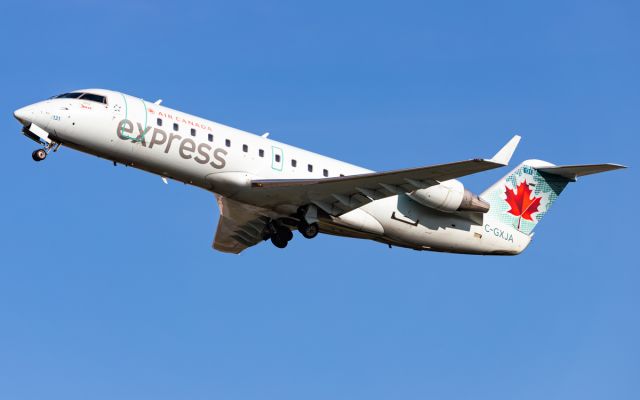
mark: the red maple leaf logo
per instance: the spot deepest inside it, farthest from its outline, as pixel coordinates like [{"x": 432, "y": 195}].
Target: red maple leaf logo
[{"x": 521, "y": 203}]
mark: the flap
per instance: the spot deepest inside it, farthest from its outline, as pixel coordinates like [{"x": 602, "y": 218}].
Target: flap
[{"x": 240, "y": 226}]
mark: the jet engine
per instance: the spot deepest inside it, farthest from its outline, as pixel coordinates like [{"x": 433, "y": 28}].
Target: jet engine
[{"x": 449, "y": 196}]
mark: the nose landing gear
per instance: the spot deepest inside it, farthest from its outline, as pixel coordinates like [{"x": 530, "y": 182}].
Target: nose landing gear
[
  {"x": 40, "y": 136},
  {"x": 39, "y": 155}
]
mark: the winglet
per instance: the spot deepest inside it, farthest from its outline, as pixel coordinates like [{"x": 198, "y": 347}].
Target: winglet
[{"x": 504, "y": 154}]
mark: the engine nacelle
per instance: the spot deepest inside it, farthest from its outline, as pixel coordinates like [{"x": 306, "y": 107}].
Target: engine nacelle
[{"x": 449, "y": 196}]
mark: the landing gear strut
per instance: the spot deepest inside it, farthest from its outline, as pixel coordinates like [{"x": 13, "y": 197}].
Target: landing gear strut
[{"x": 39, "y": 155}]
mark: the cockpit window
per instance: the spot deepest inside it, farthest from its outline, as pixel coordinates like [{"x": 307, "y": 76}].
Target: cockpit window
[
  {"x": 94, "y": 97},
  {"x": 68, "y": 96},
  {"x": 83, "y": 96}
]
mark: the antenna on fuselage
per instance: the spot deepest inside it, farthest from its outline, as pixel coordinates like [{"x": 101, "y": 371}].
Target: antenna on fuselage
[
  {"x": 157, "y": 102},
  {"x": 265, "y": 135}
]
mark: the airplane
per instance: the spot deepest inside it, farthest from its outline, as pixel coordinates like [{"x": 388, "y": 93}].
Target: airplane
[{"x": 266, "y": 189}]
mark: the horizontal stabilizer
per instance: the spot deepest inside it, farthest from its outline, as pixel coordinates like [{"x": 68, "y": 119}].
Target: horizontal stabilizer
[{"x": 574, "y": 171}]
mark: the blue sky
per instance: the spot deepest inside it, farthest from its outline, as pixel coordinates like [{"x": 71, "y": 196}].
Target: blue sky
[{"x": 108, "y": 285}]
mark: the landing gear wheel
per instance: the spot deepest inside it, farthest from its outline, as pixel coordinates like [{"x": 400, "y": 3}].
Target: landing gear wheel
[
  {"x": 280, "y": 236},
  {"x": 285, "y": 233},
  {"x": 308, "y": 230},
  {"x": 279, "y": 241},
  {"x": 39, "y": 155}
]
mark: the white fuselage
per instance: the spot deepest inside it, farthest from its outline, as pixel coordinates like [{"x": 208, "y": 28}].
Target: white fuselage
[{"x": 221, "y": 159}]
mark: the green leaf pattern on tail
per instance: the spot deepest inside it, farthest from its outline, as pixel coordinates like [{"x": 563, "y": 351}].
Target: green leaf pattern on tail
[{"x": 524, "y": 197}]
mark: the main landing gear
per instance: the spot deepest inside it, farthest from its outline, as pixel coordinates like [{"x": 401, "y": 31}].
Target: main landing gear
[
  {"x": 308, "y": 221},
  {"x": 307, "y": 230},
  {"x": 305, "y": 220},
  {"x": 280, "y": 235}
]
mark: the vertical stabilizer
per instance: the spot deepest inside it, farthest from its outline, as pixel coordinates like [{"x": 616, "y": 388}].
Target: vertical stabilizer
[{"x": 525, "y": 195}]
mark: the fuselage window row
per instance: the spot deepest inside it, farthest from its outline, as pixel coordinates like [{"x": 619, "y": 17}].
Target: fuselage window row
[
  {"x": 245, "y": 149},
  {"x": 176, "y": 127}
]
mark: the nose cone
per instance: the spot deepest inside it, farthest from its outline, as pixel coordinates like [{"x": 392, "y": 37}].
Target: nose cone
[{"x": 24, "y": 115}]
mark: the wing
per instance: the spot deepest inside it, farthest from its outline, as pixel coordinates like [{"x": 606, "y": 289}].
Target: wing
[
  {"x": 340, "y": 195},
  {"x": 240, "y": 226}
]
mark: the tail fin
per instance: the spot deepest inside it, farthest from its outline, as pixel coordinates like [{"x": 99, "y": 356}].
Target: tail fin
[{"x": 525, "y": 195}]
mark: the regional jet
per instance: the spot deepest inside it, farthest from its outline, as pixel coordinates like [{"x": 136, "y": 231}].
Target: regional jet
[{"x": 266, "y": 189}]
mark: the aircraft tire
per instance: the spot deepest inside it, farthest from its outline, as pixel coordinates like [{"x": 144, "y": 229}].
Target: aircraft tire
[
  {"x": 279, "y": 241},
  {"x": 39, "y": 155},
  {"x": 309, "y": 231},
  {"x": 285, "y": 234}
]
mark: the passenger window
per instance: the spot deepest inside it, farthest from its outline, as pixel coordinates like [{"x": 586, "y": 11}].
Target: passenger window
[
  {"x": 193, "y": 132},
  {"x": 277, "y": 157},
  {"x": 245, "y": 148},
  {"x": 159, "y": 121},
  {"x": 210, "y": 137},
  {"x": 227, "y": 143},
  {"x": 294, "y": 163},
  {"x": 310, "y": 168},
  {"x": 175, "y": 127},
  {"x": 325, "y": 172},
  {"x": 261, "y": 153}
]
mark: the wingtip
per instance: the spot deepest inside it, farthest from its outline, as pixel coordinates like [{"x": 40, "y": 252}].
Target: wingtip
[
  {"x": 612, "y": 166},
  {"x": 618, "y": 166},
  {"x": 503, "y": 156}
]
